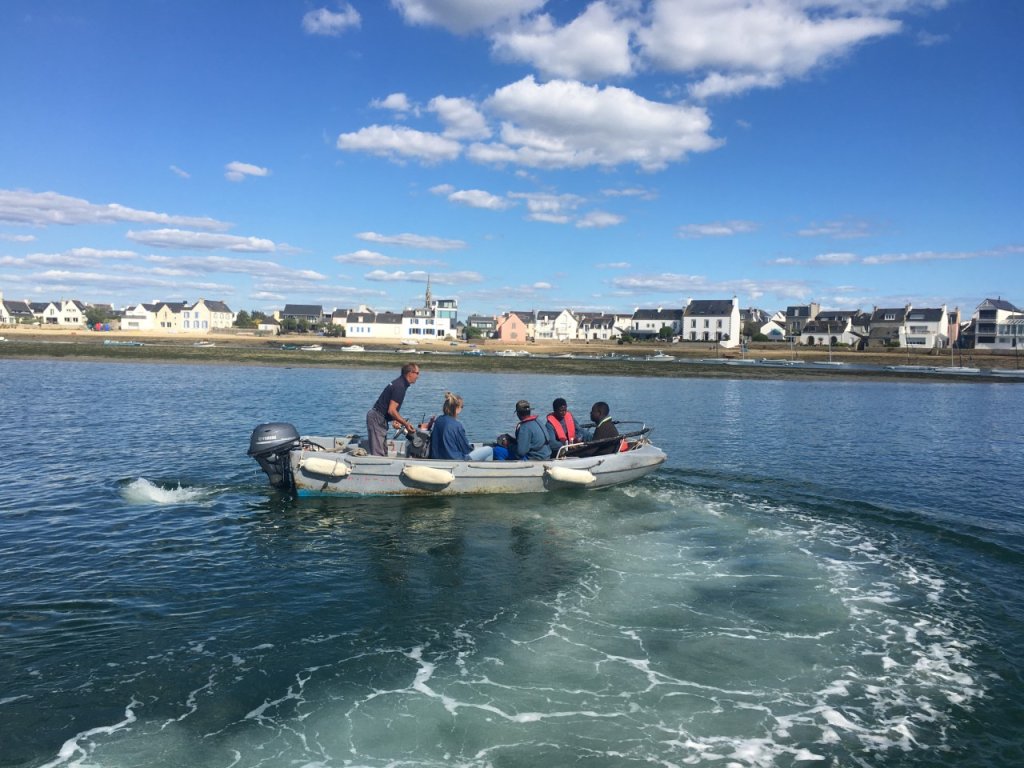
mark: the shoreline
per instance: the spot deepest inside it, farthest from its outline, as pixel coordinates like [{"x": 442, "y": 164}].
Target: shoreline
[{"x": 588, "y": 359}]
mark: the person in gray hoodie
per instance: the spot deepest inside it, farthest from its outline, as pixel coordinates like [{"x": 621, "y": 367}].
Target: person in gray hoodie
[{"x": 531, "y": 439}]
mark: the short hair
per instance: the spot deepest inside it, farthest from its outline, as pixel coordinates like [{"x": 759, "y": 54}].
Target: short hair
[
  {"x": 452, "y": 403},
  {"x": 559, "y": 403},
  {"x": 523, "y": 406},
  {"x": 409, "y": 368},
  {"x": 602, "y": 408}
]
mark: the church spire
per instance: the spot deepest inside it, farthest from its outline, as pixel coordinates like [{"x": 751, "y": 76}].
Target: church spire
[{"x": 428, "y": 298}]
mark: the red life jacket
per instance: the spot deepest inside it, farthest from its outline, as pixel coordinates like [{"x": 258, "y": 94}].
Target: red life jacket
[{"x": 559, "y": 432}]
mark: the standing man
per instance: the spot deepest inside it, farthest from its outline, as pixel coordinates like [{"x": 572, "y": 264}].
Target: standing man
[
  {"x": 386, "y": 409},
  {"x": 560, "y": 426},
  {"x": 531, "y": 440}
]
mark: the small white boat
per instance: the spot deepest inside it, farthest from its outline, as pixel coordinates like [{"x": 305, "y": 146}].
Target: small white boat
[
  {"x": 660, "y": 357},
  {"x": 1017, "y": 372},
  {"x": 328, "y": 466},
  {"x": 313, "y": 348},
  {"x": 353, "y": 348},
  {"x": 204, "y": 344}
]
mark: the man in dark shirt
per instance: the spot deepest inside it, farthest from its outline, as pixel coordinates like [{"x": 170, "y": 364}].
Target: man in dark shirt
[
  {"x": 604, "y": 431},
  {"x": 386, "y": 409}
]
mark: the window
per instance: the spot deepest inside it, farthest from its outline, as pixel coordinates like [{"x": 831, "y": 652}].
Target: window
[
  {"x": 890, "y": 316},
  {"x": 707, "y": 324},
  {"x": 719, "y": 324},
  {"x": 693, "y": 323}
]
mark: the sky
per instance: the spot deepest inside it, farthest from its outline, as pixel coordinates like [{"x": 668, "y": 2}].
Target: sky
[{"x": 519, "y": 154}]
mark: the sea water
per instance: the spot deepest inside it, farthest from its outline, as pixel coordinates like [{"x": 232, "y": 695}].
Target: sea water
[{"x": 822, "y": 574}]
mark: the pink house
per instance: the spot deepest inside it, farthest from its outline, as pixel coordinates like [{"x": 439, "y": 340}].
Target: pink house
[{"x": 514, "y": 327}]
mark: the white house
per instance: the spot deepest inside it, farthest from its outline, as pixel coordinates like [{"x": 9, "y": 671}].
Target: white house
[
  {"x": 648, "y": 323},
  {"x": 374, "y": 326},
  {"x": 554, "y": 325},
  {"x": 715, "y": 320},
  {"x": 141, "y": 317},
  {"x": 831, "y": 327},
  {"x": 998, "y": 324},
  {"x": 927, "y": 328},
  {"x": 205, "y": 316}
]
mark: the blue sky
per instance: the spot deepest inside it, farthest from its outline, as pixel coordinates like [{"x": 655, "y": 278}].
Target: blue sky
[{"x": 524, "y": 154}]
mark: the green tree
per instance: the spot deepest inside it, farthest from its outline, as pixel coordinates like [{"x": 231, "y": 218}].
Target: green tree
[
  {"x": 244, "y": 320},
  {"x": 472, "y": 332},
  {"x": 94, "y": 315}
]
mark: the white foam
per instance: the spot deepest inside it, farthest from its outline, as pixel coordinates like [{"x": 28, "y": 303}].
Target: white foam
[{"x": 142, "y": 491}]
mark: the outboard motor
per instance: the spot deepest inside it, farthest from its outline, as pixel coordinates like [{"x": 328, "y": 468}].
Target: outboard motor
[{"x": 269, "y": 445}]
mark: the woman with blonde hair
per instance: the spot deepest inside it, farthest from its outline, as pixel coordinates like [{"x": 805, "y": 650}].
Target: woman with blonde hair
[{"x": 448, "y": 438}]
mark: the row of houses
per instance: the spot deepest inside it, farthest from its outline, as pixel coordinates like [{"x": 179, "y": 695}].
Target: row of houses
[{"x": 995, "y": 323}]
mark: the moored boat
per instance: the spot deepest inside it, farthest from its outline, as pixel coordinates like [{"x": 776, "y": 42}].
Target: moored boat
[{"x": 316, "y": 466}]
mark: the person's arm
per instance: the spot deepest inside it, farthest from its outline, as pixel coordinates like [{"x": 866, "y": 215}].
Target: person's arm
[{"x": 396, "y": 417}]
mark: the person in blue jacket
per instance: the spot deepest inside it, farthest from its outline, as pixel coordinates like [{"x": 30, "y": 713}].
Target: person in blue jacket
[
  {"x": 531, "y": 440},
  {"x": 448, "y": 437}
]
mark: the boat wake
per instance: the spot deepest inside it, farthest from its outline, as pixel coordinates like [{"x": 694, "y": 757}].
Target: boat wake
[{"x": 143, "y": 491}]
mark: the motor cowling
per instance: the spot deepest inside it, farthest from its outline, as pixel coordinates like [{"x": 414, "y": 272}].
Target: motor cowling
[{"x": 269, "y": 444}]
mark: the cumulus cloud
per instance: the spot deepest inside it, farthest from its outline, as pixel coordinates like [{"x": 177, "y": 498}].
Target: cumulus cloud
[
  {"x": 397, "y": 102},
  {"x": 474, "y": 198},
  {"x": 364, "y": 256},
  {"x": 715, "y": 229},
  {"x": 413, "y": 241},
  {"x": 400, "y": 143},
  {"x": 750, "y": 43},
  {"x": 42, "y": 208},
  {"x": 181, "y": 238},
  {"x": 419, "y": 276},
  {"x": 324, "y": 21},
  {"x": 461, "y": 118},
  {"x": 594, "y": 45},
  {"x": 236, "y": 171},
  {"x": 565, "y": 124},
  {"x": 462, "y": 16}
]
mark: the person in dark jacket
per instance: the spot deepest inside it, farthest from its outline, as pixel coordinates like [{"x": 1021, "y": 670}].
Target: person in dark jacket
[
  {"x": 448, "y": 437},
  {"x": 531, "y": 442},
  {"x": 604, "y": 430},
  {"x": 386, "y": 409}
]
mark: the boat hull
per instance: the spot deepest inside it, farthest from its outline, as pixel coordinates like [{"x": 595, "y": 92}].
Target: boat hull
[{"x": 344, "y": 473}]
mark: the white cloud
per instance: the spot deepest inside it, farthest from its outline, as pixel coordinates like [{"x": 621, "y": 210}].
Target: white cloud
[
  {"x": 599, "y": 220},
  {"x": 461, "y": 118},
  {"x": 236, "y": 171},
  {"x": 565, "y": 124},
  {"x": 758, "y": 42},
  {"x": 180, "y": 173},
  {"x": 643, "y": 194},
  {"x": 397, "y": 102},
  {"x": 180, "y": 238},
  {"x": 17, "y": 238},
  {"x": 227, "y": 264},
  {"x": 715, "y": 229},
  {"x": 717, "y": 84},
  {"x": 464, "y": 15},
  {"x": 554, "y": 209},
  {"x": 675, "y": 284},
  {"x": 836, "y": 258},
  {"x": 594, "y": 45},
  {"x": 474, "y": 198},
  {"x": 324, "y": 21},
  {"x": 615, "y": 265},
  {"x": 399, "y": 143},
  {"x": 42, "y": 208},
  {"x": 413, "y": 241},
  {"x": 364, "y": 256},
  {"x": 419, "y": 276},
  {"x": 840, "y": 230}
]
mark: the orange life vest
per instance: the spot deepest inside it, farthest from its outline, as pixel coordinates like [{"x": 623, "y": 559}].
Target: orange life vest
[{"x": 557, "y": 426}]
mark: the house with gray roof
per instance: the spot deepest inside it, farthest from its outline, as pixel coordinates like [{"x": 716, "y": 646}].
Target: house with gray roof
[{"x": 716, "y": 320}]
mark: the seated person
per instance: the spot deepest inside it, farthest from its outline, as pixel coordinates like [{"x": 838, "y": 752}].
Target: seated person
[
  {"x": 530, "y": 440},
  {"x": 560, "y": 426},
  {"x": 604, "y": 430},
  {"x": 448, "y": 438}
]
